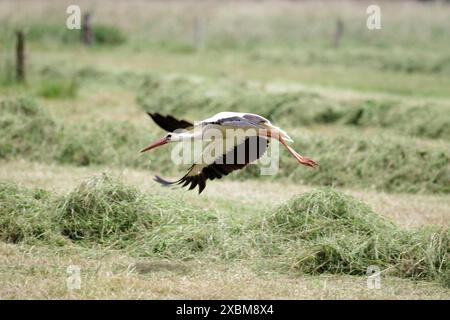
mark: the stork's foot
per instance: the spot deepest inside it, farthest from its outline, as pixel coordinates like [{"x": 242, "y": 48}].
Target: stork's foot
[{"x": 307, "y": 162}]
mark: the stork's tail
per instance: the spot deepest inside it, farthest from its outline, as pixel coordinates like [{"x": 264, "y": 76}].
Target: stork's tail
[{"x": 164, "y": 182}]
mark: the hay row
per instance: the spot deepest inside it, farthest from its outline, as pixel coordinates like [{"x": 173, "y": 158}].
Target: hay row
[
  {"x": 378, "y": 162},
  {"x": 323, "y": 231}
]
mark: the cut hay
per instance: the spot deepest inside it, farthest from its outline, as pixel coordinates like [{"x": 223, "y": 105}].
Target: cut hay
[
  {"x": 25, "y": 128},
  {"x": 378, "y": 161},
  {"x": 112, "y": 143},
  {"x": 101, "y": 210},
  {"x": 323, "y": 231},
  {"x": 386, "y": 163},
  {"x": 105, "y": 211},
  {"x": 326, "y": 231},
  {"x": 24, "y": 214}
]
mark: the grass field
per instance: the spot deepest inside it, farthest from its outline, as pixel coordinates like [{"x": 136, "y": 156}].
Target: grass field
[{"x": 374, "y": 111}]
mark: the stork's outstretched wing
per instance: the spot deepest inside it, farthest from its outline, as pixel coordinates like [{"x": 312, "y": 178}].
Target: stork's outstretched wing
[
  {"x": 249, "y": 150},
  {"x": 169, "y": 123}
]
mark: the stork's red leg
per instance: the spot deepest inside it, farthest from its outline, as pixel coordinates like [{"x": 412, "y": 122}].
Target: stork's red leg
[{"x": 302, "y": 160}]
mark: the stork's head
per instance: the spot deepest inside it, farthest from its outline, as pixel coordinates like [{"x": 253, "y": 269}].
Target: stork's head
[{"x": 170, "y": 137}]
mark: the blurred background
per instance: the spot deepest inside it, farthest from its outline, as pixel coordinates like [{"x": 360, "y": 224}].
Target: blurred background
[{"x": 311, "y": 66}]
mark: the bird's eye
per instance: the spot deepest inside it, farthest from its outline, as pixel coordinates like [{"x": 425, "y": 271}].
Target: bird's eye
[{"x": 169, "y": 135}]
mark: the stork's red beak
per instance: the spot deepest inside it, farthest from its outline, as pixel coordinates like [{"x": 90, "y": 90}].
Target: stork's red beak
[{"x": 158, "y": 143}]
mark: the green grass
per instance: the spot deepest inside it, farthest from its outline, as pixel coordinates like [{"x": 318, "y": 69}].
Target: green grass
[
  {"x": 107, "y": 35},
  {"x": 52, "y": 33},
  {"x": 58, "y": 88},
  {"x": 327, "y": 231},
  {"x": 104, "y": 210},
  {"x": 399, "y": 60},
  {"x": 23, "y": 214},
  {"x": 27, "y": 129},
  {"x": 323, "y": 231},
  {"x": 180, "y": 96},
  {"x": 376, "y": 162},
  {"x": 289, "y": 41}
]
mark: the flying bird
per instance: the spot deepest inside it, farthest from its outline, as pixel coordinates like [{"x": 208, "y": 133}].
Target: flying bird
[{"x": 245, "y": 136}]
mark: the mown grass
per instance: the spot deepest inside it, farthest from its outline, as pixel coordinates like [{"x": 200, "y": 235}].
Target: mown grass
[
  {"x": 26, "y": 129},
  {"x": 104, "y": 210},
  {"x": 371, "y": 58},
  {"x": 23, "y": 214},
  {"x": 53, "y": 32},
  {"x": 58, "y": 88},
  {"x": 323, "y": 231},
  {"x": 380, "y": 162},
  {"x": 327, "y": 231},
  {"x": 181, "y": 95}
]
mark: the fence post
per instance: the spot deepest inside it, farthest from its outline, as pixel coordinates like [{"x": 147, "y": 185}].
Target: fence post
[
  {"x": 20, "y": 56},
  {"x": 86, "y": 30},
  {"x": 337, "y": 36}
]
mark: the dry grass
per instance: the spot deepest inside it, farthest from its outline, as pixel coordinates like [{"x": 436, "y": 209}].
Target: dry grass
[{"x": 40, "y": 273}]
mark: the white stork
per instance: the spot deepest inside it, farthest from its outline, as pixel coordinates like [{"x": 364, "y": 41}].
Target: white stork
[{"x": 216, "y": 167}]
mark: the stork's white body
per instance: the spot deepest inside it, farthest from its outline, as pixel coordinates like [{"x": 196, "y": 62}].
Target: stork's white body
[{"x": 227, "y": 114}]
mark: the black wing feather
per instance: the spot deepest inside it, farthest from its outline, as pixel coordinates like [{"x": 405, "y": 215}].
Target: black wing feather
[
  {"x": 169, "y": 123},
  {"x": 218, "y": 169}
]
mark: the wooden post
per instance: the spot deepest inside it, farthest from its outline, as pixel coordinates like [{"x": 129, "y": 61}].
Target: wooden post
[
  {"x": 86, "y": 30},
  {"x": 20, "y": 57},
  {"x": 337, "y": 36}
]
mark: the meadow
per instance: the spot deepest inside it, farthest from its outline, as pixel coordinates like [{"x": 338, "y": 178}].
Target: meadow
[{"x": 372, "y": 107}]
